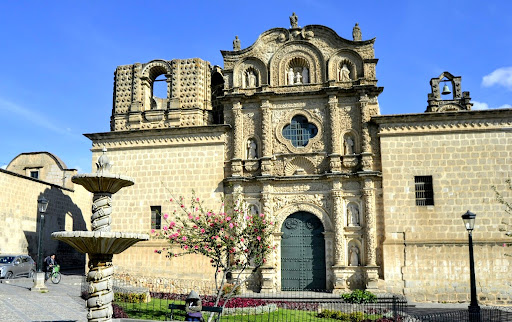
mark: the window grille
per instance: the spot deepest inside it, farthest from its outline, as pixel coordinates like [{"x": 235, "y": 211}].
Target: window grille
[
  {"x": 424, "y": 190},
  {"x": 299, "y": 131},
  {"x": 156, "y": 219}
]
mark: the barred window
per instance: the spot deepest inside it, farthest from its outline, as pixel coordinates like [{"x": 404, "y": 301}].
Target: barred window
[
  {"x": 156, "y": 219},
  {"x": 299, "y": 131},
  {"x": 424, "y": 190}
]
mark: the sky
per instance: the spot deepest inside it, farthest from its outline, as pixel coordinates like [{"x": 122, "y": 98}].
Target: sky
[{"x": 58, "y": 57}]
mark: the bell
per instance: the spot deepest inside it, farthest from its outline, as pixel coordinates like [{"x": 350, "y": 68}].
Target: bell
[{"x": 446, "y": 90}]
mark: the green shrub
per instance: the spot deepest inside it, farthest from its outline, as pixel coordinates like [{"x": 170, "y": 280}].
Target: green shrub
[
  {"x": 359, "y": 296},
  {"x": 341, "y": 316},
  {"x": 228, "y": 287},
  {"x": 130, "y": 297}
]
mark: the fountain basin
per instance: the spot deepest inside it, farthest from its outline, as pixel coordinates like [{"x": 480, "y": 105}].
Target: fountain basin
[
  {"x": 102, "y": 182},
  {"x": 99, "y": 242}
]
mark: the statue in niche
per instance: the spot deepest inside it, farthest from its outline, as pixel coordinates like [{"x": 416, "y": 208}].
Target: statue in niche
[
  {"x": 353, "y": 215},
  {"x": 291, "y": 76},
  {"x": 356, "y": 33},
  {"x": 349, "y": 145},
  {"x": 294, "y": 20},
  {"x": 305, "y": 75},
  {"x": 253, "y": 210},
  {"x": 236, "y": 43},
  {"x": 251, "y": 78},
  {"x": 244, "y": 80},
  {"x": 344, "y": 73},
  {"x": 354, "y": 256},
  {"x": 298, "y": 78},
  {"x": 251, "y": 149}
]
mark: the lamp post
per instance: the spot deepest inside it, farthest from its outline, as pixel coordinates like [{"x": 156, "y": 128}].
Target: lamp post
[
  {"x": 474, "y": 309},
  {"x": 42, "y": 204}
]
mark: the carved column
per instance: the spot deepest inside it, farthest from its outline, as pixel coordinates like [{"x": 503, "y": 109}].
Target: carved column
[
  {"x": 266, "y": 135},
  {"x": 371, "y": 268},
  {"x": 339, "y": 249},
  {"x": 366, "y": 155},
  {"x": 268, "y": 271},
  {"x": 236, "y": 162},
  {"x": 334, "y": 158},
  {"x": 101, "y": 295},
  {"x": 101, "y": 211}
]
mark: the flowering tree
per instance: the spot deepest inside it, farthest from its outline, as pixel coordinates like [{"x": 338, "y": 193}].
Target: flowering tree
[{"x": 232, "y": 238}]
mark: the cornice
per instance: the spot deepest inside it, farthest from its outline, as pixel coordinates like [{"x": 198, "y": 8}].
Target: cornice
[
  {"x": 159, "y": 137},
  {"x": 449, "y": 122}
]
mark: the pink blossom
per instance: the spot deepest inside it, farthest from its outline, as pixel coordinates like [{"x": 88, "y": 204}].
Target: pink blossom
[
  {"x": 152, "y": 231},
  {"x": 247, "y": 217},
  {"x": 172, "y": 224},
  {"x": 184, "y": 238},
  {"x": 231, "y": 225},
  {"x": 166, "y": 216},
  {"x": 262, "y": 215},
  {"x": 202, "y": 230},
  {"x": 196, "y": 247},
  {"x": 197, "y": 218},
  {"x": 190, "y": 216},
  {"x": 186, "y": 247},
  {"x": 182, "y": 206},
  {"x": 258, "y": 238},
  {"x": 242, "y": 239},
  {"x": 228, "y": 218},
  {"x": 197, "y": 199},
  {"x": 170, "y": 200},
  {"x": 156, "y": 250},
  {"x": 196, "y": 209},
  {"x": 164, "y": 227}
]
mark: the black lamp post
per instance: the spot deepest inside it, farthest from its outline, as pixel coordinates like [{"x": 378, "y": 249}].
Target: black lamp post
[
  {"x": 42, "y": 204},
  {"x": 474, "y": 309}
]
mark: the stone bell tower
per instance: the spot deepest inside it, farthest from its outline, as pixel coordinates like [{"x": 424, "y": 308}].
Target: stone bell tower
[{"x": 459, "y": 101}]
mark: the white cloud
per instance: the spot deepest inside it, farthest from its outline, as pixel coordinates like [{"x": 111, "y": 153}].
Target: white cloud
[
  {"x": 485, "y": 106},
  {"x": 501, "y": 76},
  {"x": 30, "y": 116}
]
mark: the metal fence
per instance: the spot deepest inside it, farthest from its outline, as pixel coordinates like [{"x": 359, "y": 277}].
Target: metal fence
[
  {"x": 487, "y": 314},
  {"x": 293, "y": 306}
]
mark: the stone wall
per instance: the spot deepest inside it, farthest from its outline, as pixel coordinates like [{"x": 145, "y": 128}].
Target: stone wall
[
  {"x": 164, "y": 164},
  {"x": 425, "y": 248},
  {"x": 67, "y": 210}
]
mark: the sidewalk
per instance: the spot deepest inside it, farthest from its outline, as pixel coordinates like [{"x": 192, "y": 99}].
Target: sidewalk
[{"x": 62, "y": 302}]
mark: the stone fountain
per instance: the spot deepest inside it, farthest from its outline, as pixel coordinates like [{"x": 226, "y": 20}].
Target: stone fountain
[{"x": 101, "y": 243}]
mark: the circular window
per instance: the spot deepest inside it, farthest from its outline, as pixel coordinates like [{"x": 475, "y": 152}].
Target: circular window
[{"x": 299, "y": 131}]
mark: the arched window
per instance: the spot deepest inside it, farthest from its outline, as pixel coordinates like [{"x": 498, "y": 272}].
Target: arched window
[
  {"x": 299, "y": 131},
  {"x": 160, "y": 87}
]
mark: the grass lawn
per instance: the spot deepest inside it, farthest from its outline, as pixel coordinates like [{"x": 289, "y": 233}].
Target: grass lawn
[{"x": 157, "y": 309}]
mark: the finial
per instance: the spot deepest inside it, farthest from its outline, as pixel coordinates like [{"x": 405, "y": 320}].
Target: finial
[
  {"x": 103, "y": 165},
  {"x": 294, "y": 21},
  {"x": 356, "y": 33},
  {"x": 236, "y": 43}
]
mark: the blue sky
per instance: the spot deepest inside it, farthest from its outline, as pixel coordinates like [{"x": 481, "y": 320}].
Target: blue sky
[{"x": 58, "y": 57}]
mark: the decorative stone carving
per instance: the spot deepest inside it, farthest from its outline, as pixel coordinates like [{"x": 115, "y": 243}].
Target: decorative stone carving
[
  {"x": 348, "y": 145},
  {"x": 299, "y": 166},
  {"x": 296, "y": 55},
  {"x": 339, "y": 252},
  {"x": 251, "y": 149},
  {"x": 369, "y": 205},
  {"x": 344, "y": 74},
  {"x": 311, "y": 119}
]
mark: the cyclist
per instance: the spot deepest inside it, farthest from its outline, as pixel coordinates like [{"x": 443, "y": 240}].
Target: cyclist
[{"x": 49, "y": 263}]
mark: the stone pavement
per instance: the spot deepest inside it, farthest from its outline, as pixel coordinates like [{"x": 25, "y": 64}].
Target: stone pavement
[{"x": 62, "y": 302}]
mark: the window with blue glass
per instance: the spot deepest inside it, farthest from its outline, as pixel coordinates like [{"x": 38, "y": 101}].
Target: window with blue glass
[{"x": 299, "y": 131}]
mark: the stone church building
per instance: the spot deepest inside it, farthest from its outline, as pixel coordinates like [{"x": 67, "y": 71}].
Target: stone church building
[{"x": 292, "y": 124}]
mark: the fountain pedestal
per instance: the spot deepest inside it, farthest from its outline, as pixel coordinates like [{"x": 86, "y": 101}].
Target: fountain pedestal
[{"x": 100, "y": 244}]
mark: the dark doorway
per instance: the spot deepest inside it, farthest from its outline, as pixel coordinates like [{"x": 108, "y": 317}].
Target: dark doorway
[{"x": 302, "y": 253}]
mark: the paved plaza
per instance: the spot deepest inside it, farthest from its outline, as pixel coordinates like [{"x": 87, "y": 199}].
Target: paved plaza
[{"x": 62, "y": 302}]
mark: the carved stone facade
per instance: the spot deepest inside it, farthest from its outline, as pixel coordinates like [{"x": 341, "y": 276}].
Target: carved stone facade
[{"x": 292, "y": 124}]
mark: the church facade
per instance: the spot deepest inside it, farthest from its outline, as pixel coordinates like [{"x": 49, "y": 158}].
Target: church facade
[{"x": 292, "y": 125}]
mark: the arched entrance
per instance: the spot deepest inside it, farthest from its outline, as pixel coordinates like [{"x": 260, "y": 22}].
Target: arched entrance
[{"x": 302, "y": 253}]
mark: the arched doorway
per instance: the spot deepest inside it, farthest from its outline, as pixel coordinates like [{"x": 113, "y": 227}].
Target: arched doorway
[{"x": 302, "y": 253}]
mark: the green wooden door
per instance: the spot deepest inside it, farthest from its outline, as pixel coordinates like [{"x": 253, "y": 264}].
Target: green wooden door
[{"x": 302, "y": 253}]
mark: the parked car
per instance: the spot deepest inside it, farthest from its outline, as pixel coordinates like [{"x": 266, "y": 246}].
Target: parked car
[{"x": 12, "y": 266}]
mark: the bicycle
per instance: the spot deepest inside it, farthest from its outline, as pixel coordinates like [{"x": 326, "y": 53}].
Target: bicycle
[{"x": 54, "y": 275}]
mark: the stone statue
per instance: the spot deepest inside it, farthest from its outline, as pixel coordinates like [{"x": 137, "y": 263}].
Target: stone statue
[
  {"x": 305, "y": 75},
  {"x": 354, "y": 256},
  {"x": 349, "y": 145},
  {"x": 298, "y": 78},
  {"x": 353, "y": 218},
  {"x": 356, "y": 33},
  {"x": 291, "y": 76},
  {"x": 253, "y": 210},
  {"x": 344, "y": 73},
  {"x": 251, "y": 79},
  {"x": 236, "y": 43},
  {"x": 251, "y": 149},
  {"x": 294, "y": 21},
  {"x": 244, "y": 80}
]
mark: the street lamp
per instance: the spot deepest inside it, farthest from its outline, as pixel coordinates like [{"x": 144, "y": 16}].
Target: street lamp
[
  {"x": 42, "y": 204},
  {"x": 474, "y": 309}
]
